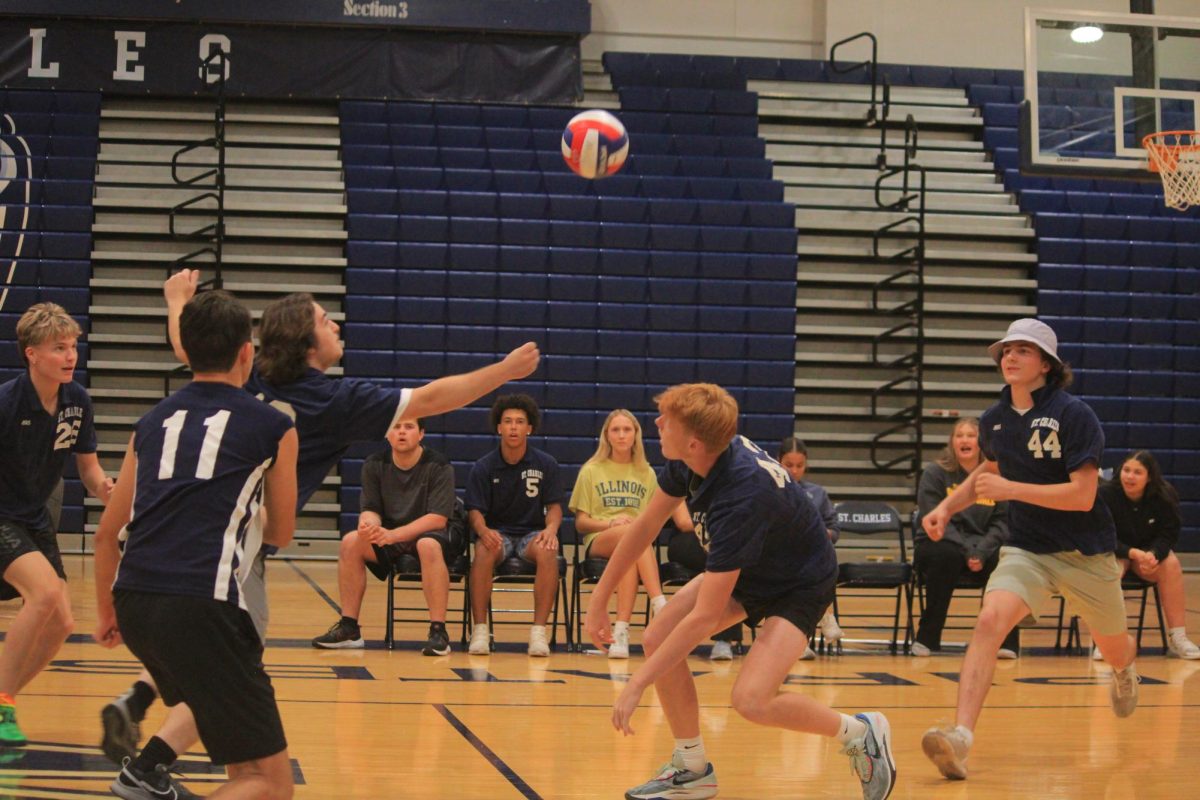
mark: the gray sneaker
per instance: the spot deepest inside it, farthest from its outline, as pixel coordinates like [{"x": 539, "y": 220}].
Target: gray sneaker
[
  {"x": 1124, "y": 691},
  {"x": 871, "y": 757},
  {"x": 674, "y": 782},
  {"x": 947, "y": 749},
  {"x": 121, "y": 733},
  {"x": 133, "y": 784}
]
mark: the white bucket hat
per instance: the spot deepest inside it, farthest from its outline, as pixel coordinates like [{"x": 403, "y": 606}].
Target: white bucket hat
[{"x": 1028, "y": 330}]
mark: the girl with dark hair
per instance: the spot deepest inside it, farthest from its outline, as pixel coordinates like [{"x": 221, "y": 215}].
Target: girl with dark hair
[{"x": 1145, "y": 509}]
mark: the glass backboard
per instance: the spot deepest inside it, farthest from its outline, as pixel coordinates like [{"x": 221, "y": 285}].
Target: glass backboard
[{"x": 1097, "y": 84}]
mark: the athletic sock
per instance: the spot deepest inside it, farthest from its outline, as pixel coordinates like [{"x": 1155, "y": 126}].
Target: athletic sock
[
  {"x": 618, "y": 625},
  {"x": 966, "y": 734},
  {"x": 139, "y": 698},
  {"x": 691, "y": 753},
  {"x": 349, "y": 622},
  {"x": 154, "y": 753},
  {"x": 851, "y": 728},
  {"x": 1178, "y": 633},
  {"x": 656, "y": 605}
]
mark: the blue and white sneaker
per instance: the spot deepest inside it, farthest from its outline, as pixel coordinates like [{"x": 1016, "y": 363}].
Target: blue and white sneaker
[
  {"x": 675, "y": 782},
  {"x": 871, "y": 757}
]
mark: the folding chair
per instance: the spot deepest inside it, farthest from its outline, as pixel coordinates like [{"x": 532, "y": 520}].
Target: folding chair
[
  {"x": 872, "y": 557},
  {"x": 516, "y": 576},
  {"x": 406, "y": 571}
]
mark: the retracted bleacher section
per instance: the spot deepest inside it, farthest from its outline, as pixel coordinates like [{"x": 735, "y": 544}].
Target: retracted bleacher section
[
  {"x": 469, "y": 236},
  {"x": 48, "y": 143},
  {"x": 1117, "y": 279}
]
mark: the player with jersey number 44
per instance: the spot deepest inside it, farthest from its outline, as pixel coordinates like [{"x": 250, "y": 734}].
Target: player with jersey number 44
[{"x": 1041, "y": 452}]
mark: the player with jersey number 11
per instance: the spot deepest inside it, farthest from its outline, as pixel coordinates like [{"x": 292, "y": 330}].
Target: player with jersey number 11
[
  {"x": 1041, "y": 452},
  {"x": 770, "y": 561}
]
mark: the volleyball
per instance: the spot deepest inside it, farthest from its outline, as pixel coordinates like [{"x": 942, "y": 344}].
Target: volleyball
[{"x": 595, "y": 144}]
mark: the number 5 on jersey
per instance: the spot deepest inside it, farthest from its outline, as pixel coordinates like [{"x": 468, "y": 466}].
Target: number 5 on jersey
[{"x": 1039, "y": 446}]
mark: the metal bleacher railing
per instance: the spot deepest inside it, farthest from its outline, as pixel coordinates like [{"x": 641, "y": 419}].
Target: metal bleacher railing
[{"x": 909, "y": 275}]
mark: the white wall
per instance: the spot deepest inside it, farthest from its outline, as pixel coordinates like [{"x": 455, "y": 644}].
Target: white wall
[
  {"x": 776, "y": 28},
  {"x": 968, "y": 33}
]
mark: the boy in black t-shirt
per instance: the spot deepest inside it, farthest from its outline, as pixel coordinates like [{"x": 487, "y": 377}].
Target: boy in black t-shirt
[
  {"x": 407, "y": 502},
  {"x": 770, "y": 561}
]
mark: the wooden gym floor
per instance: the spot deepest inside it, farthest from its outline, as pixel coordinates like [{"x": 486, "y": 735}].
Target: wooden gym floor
[{"x": 373, "y": 723}]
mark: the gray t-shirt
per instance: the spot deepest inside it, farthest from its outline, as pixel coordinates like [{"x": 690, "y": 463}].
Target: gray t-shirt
[{"x": 401, "y": 496}]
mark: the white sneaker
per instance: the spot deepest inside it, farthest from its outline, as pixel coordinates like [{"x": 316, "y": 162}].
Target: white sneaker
[
  {"x": 1124, "y": 691},
  {"x": 481, "y": 641},
  {"x": 657, "y": 604},
  {"x": 919, "y": 650},
  {"x": 1096, "y": 654},
  {"x": 830, "y": 628},
  {"x": 721, "y": 651},
  {"x": 1182, "y": 647},
  {"x": 620, "y": 643},
  {"x": 539, "y": 643},
  {"x": 809, "y": 655},
  {"x": 1006, "y": 654}
]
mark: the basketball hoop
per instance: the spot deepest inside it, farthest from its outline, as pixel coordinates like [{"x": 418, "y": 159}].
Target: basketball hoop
[{"x": 1175, "y": 156}]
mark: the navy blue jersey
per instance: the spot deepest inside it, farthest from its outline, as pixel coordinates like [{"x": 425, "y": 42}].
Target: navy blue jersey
[
  {"x": 195, "y": 528},
  {"x": 513, "y": 497},
  {"x": 1045, "y": 445},
  {"x": 330, "y": 415},
  {"x": 36, "y": 445},
  {"x": 750, "y": 515}
]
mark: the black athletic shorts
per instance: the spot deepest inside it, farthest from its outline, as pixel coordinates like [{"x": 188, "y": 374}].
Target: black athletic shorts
[
  {"x": 802, "y": 607},
  {"x": 17, "y": 540},
  {"x": 388, "y": 554},
  {"x": 207, "y": 654}
]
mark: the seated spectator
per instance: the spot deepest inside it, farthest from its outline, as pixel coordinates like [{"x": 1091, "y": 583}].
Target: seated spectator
[
  {"x": 1145, "y": 509},
  {"x": 407, "y": 503},
  {"x": 513, "y": 506},
  {"x": 612, "y": 488},
  {"x": 793, "y": 455},
  {"x": 971, "y": 543}
]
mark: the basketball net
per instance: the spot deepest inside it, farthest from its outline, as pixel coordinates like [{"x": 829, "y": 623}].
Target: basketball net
[{"x": 1175, "y": 156}]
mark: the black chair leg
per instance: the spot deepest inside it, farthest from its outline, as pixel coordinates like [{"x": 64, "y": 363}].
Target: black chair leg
[{"x": 390, "y": 629}]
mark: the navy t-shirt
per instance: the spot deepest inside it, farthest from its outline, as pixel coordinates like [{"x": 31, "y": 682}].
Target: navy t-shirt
[
  {"x": 330, "y": 415},
  {"x": 750, "y": 515},
  {"x": 36, "y": 444},
  {"x": 201, "y": 457},
  {"x": 513, "y": 497},
  {"x": 1043, "y": 446}
]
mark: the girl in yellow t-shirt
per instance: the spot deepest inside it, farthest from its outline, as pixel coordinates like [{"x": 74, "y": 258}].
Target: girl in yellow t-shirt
[{"x": 613, "y": 487}]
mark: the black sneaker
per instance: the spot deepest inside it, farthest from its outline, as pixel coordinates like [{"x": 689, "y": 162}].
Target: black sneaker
[
  {"x": 133, "y": 784},
  {"x": 340, "y": 636},
  {"x": 121, "y": 733},
  {"x": 438, "y": 643}
]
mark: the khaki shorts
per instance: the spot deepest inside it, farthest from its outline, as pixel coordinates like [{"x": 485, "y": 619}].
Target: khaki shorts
[{"x": 1091, "y": 584}]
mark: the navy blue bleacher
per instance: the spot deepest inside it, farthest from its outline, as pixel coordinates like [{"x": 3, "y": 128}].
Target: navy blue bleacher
[
  {"x": 1116, "y": 276},
  {"x": 469, "y": 236}
]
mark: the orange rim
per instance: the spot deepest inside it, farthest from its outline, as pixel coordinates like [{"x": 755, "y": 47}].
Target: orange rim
[{"x": 1164, "y": 154}]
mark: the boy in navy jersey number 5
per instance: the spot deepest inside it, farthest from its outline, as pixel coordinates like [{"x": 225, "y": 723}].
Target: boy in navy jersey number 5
[
  {"x": 198, "y": 468},
  {"x": 769, "y": 561},
  {"x": 1041, "y": 449}
]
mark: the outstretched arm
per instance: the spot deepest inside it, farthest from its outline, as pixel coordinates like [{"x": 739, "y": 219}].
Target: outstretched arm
[{"x": 455, "y": 391}]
